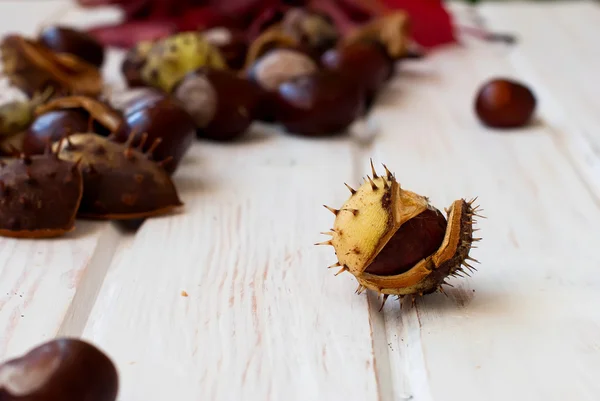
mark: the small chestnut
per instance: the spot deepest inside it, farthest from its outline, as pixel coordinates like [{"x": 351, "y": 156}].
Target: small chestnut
[
  {"x": 159, "y": 117},
  {"x": 231, "y": 43},
  {"x": 52, "y": 126},
  {"x": 63, "y": 369},
  {"x": 364, "y": 62},
  {"x": 505, "y": 103},
  {"x": 278, "y": 66},
  {"x": 134, "y": 61},
  {"x": 222, "y": 104},
  {"x": 320, "y": 104},
  {"x": 62, "y": 39}
]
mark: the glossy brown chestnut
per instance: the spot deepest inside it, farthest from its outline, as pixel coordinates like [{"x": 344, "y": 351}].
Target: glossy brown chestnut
[
  {"x": 222, "y": 104},
  {"x": 321, "y": 104},
  {"x": 505, "y": 103},
  {"x": 62, "y": 39},
  {"x": 133, "y": 63},
  {"x": 153, "y": 117},
  {"x": 416, "y": 239},
  {"x": 64, "y": 369},
  {"x": 231, "y": 43},
  {"x": 364, "y": 62},
  {"x": 52, "y": 126}
]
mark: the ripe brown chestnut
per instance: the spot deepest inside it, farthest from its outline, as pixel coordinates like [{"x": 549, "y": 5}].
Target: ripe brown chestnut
[
  {"x": 133, "y": 63},
  {"x": 62, "y": 39},
  {"x": 159, "y": 116},
  {"x": 64, "y": 369},
  {"x": 231, "y": 43},
  {"x": 320, "y": 104},
  {"x": 222, "y": 104},
  {"x": 364, "y": 62},
  {"x": 504, "y": 103},
  {"x": 68, "y": 115}
]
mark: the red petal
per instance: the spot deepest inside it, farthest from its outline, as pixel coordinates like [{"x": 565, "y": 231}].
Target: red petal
[
  {"x": 130, "y": 33},
  {"x": 431, "y": 23}
]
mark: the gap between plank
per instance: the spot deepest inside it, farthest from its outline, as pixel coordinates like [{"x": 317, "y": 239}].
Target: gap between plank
[{"x": 89, "y": 287}]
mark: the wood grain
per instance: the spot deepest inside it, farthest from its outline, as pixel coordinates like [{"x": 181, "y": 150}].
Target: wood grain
[{"x": 231, "y": 300}]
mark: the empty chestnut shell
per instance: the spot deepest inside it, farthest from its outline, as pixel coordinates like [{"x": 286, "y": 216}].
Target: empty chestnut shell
[
  {"x": 364, "y": 62},
  {"x": 62, "y": 39},
  {"x": 64, "y": 369},
  {"x": 159, "y": 116},
  {"x": 222, "y": 104},
  {"x": 505, "y": 103},
  {"x": 320, "y": 104}
]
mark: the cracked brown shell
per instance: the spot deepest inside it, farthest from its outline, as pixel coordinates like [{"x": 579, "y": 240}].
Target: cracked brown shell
[
  {"x": 39, "y": 196},
  {"x": 396, "y": 243},
  {"x": 33, "y": 68},
  {"x": 120, "y": 182}
]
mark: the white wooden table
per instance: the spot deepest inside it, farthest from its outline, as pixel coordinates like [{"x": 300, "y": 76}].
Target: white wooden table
[{"x": 265, "y": 320}]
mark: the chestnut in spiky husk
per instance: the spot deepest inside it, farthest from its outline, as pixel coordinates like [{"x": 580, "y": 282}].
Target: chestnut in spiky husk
[
  {"x": 222, "y": 104},
  {"x": 34, "y": 68},
  {"x": 39, "y": 196},
  {"x": 363, "y": 62},
  {"x": 159, "y": 117},
  {"x": 505, "y": 103},
  {"x": 63, "y": 369},
  {"x": 320, "y": 104},
  {"x": 67, "y": 115},
  {"x": 63, "y": 39},
  {"x": 120, "y": 182},
  {"x": 170, "y": 59},
  {"x": 231, "y": 43},
  {"x": 395, "y": 243}
]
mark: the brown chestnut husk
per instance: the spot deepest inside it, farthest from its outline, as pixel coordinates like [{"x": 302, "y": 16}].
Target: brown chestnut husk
[
  {"x": 505, "y": 103},
  {"x": 63, "y": 369},
  {"x": 34, "y": 68},
  {"x": 120, "y": 182},
  {"x": 159, "y": 117},
  {"x": 394, "y": 242},
  {"x": 320, "y": 104},
  {"x": 63, "y": 39},
  {"x": 315, "y": 32},
  {"x": 39, "y": 196},
  {"x": 222, "y": 104}
]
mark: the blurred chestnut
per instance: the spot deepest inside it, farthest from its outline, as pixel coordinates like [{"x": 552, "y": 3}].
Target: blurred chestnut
[
  {"x": 505, "y": 103},
  {"x": 314, "y": 31},
  {"x": 222, "y": 104},
  {"x": 159, "y": 117},
  {"x": 231, "y": 43},
  {"x": 63, "y": 369},
  {"x": 52, "y": 126},
  {"x": 321, "y": 104},
  {"x": 62, "y": 39},
  {"x": 364, "y": 62},
  {"x": 132, "y": 64},
  {"x": 271, "y": 70}
]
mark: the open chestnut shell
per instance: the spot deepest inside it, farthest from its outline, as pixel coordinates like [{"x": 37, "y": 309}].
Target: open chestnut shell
[
  {"x": 63, "y": 39},
  {"x": 64, "y": 369},
  {"x": 320, "y": 104},
  {"x": 161, "y": 117},
  {"x": 222, "y": 104},
  {"x": 120, "y": 182}
]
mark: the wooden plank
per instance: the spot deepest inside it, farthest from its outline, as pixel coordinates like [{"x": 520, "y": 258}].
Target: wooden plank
[
  {"x": 264, "y": 319},
  {"x": 47, "y": 287},
  {"x": 524, "y": 326},
  {"x": 568, "y": 104}
]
